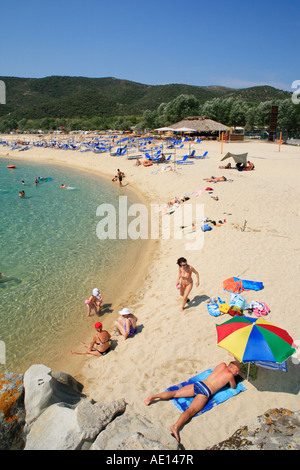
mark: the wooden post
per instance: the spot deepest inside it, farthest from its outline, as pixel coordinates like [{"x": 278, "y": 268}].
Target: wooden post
[
  {"x": 174, "y": 156},
  {"x": 280, "y": 141},
  {"x": 222, "y": 142}
]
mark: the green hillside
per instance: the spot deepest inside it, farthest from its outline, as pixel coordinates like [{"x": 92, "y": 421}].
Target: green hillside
[{"x": 70, "y": 97}]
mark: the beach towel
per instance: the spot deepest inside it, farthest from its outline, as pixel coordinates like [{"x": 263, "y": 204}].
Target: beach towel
[
  {"x": 222, "y": 395},
  {"x": 234, "y": 284}
]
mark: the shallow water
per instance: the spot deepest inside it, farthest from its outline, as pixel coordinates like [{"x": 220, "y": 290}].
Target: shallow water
[{"x": 51, "y": 256}]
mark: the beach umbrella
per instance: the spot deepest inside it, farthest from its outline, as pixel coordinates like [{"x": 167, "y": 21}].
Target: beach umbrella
[
  {"x": 164, "y": 129},
  {"x": 255, "y": 339},
  {"x": 238, "y": 158},
  {"x": 184, "y": 129}
]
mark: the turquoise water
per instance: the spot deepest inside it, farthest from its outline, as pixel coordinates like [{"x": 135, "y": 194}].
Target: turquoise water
[{"x": 51, "y": 256}]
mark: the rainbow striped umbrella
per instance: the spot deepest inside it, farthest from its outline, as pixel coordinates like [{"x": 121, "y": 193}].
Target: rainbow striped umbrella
[{"x": 255, "y": 339}]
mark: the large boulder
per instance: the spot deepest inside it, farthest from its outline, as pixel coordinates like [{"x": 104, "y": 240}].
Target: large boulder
[
  {"x": 70, "y": 427},
  {"x": 132, "y": 431},
  {"x": 44, "y": 388}
]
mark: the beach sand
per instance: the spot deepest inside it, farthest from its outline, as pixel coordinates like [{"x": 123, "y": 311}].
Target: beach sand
[{"x": 172, "y": 346}]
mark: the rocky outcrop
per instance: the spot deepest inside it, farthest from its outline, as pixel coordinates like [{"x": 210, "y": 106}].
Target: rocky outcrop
[
  {"x": 276, "y": 429},
  {"x": 44, "y": 388},
  {"x": 60, "y": 417},
  {"x": 56, "y": 415},
  {"x": 12, "y": 412},
  {"x": 65, "y": 427},
  {"x": 132, "y": 431}
]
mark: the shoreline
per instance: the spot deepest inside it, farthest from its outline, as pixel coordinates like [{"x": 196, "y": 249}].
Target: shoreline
[
  {"x": 119, "y": 298},
  {"x": 173, "y": 345}
]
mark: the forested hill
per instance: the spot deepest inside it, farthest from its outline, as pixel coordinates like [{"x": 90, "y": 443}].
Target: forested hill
[{"x": 69, "y": 97}]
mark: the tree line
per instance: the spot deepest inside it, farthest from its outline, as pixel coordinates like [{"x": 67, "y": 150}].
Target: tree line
[{"x": 228, "y": 111}]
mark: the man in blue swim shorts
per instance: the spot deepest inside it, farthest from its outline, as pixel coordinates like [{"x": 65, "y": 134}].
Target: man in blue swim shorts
[{"x": 202, "y": 391}]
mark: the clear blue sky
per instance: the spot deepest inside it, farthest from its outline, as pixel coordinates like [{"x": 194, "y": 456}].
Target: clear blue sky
[{"x": 231, "y": 43}]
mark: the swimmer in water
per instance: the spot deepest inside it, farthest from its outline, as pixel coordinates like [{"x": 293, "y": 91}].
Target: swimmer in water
[{"x": 21, "y": 193}]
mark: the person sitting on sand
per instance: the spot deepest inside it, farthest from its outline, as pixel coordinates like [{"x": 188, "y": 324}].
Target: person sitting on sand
[
  {"x": 94, "y": 302},
  {"x": 138, "y": 163},
  {"x": 202, "y": 391},
  {"x": 215, "y": 179},
  {"x": 249, "y": 167},
  {"x": 185, "y": 280},
  {"x": 100, "y": 343},
  {"x": 126, "y": 324}
]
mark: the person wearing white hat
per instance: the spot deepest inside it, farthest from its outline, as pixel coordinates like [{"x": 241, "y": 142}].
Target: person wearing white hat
[
  {"x": 94, "y": 302},
  {"x": 126, "y": 323}
]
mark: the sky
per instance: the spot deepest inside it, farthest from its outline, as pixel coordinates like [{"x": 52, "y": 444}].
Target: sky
[{"x": 235, "y": 44}]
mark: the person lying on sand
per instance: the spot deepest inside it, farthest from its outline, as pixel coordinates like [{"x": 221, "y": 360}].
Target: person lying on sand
[
  {"x": 100, "y": 343},
  {"x": 202, "y": 391},
  {"x": 226, "y": 167},
  {"x": 215, "y": 179}
]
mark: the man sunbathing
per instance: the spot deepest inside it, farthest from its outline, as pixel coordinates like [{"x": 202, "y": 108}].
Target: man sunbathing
[
  {"x": 226, "y": 167},
  {"x": 202, "y": 391},
  {"x": 215, "y": 179}
]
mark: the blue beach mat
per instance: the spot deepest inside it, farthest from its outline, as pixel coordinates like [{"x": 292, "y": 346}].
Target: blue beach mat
[{"x": 222, "y": 395}]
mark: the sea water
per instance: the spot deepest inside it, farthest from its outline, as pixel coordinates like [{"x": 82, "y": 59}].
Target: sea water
[{"x": 52, "y": 257}]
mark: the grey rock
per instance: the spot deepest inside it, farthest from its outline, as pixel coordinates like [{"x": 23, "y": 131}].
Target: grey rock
[
  {"x": 43, "y": 389},
  {"x": 71, "y": 427},
  {"x": 93, "y": 417},
  {"x": 132, "y": 431},
  {"x": 276, "y": 429}
]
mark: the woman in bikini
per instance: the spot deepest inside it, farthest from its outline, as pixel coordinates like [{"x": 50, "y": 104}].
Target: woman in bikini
[
  {"x": 126, "y": 324},
  {"x": 185, "y": 280},
  {"x": 100, "y": 344}
]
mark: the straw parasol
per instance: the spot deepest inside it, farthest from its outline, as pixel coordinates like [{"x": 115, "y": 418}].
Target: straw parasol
[{"x": 201, "y": 124}]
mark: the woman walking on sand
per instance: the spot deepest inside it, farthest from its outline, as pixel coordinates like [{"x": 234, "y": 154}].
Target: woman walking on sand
[{"x": 185, "y": 280}]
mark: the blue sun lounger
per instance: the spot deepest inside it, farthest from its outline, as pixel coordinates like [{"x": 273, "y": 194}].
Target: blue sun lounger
[{"x": 184, "y": 160}]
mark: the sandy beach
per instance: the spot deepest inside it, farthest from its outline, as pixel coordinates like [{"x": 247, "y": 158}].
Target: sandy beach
[{"x": 171, "y": 346}]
